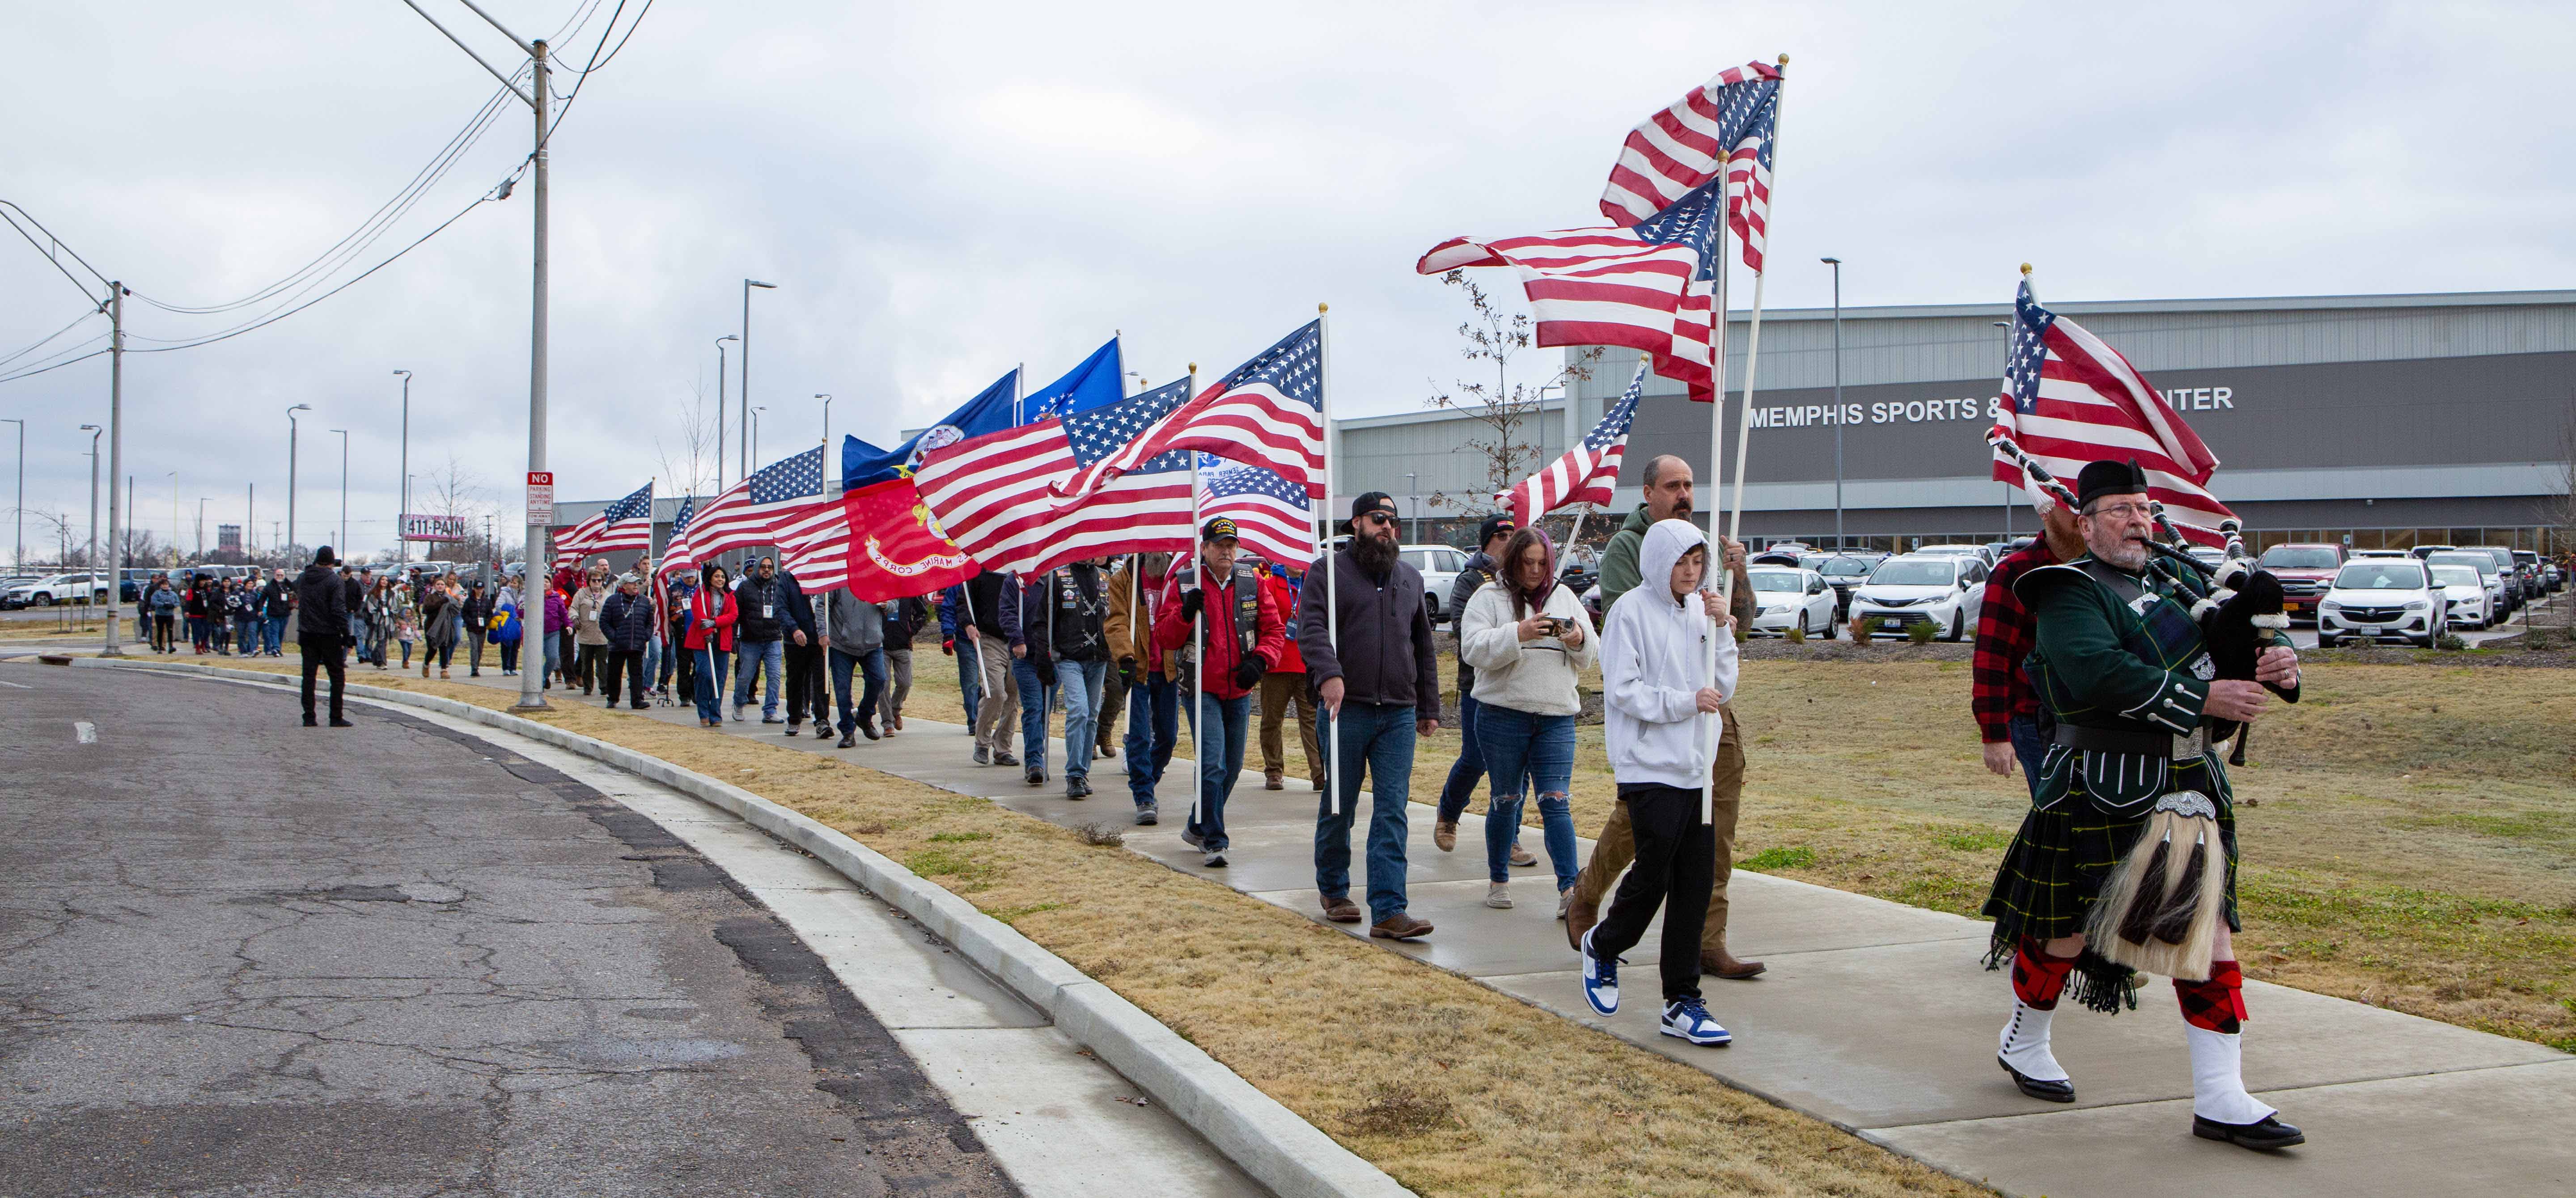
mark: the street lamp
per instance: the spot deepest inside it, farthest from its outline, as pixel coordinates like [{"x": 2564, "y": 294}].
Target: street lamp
[
  {"x": 344, "y": 489},
  {"x": 289, "y": 546},
  {"x": 827, "y": 422},
  {"x": 1413, "y": 499},
  {"x": 747, "y": 285},
  {"x": 93, "y": 431},
  {"x": 19, "y": 562},
  {"x": 402, "y": 502},
  {"x": 1837, "y": 264},
  {"x": 721, "y": 413},
  {"x": 753, "y": 445}
]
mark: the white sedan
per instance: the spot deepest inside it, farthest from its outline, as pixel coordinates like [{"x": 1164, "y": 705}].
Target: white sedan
[
  {"x": 1943, "y": 590},
  {"x": 2471, "y": 605},
  {"x": 1784, "y": 599}
]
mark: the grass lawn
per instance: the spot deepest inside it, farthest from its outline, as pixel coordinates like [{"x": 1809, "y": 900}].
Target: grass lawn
[{"x": 2410, "y": 839}]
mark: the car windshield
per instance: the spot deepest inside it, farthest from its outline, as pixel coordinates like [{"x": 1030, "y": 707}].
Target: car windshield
[
  {"x": 1844, "y": 565},
  {"x": 1896, "y": 572},
  {"x": 2297, "y": 557},
  {"x": 2381, "y": 576},
  {"x": 1777, "y": 580},
  {"x": 2475, "y": 561},
  {"x": 2456, "y": 576}
]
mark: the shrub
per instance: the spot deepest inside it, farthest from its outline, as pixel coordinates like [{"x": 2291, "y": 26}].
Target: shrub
[
  {"x": 1920, "y": 633},
  {"x": 1798, "y": 634},
  {"x": 2450, "y": 641}
]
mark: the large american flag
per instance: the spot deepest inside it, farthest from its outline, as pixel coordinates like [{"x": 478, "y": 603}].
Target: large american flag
[
  {"x": 998, "y": 495},
  {"x": 776, "y": 504},
  {"x": 625, "y": 524},
  {"x": 819, "y": 557},
  {"x": 1271, "y": 514},
  {"x": 1644, "y": 287},
  {"x": 2070, "y": 399},
  {"x": 675, "y": 551},
  {"x": 1724, "y": 125},
  {"x": 1269, "y": 413},
  {"x": 1587, "y": 473}
]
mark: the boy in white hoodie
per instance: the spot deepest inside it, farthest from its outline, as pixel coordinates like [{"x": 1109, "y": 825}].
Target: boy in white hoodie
[{"x": 1660, "y": 715}]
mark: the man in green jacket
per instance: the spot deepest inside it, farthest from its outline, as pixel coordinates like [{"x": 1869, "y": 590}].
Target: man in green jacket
[{"x": 1668, "y": 482}]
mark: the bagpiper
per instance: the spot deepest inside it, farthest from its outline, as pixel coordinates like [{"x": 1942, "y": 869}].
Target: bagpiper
[{"x": 2126, "y": 862}]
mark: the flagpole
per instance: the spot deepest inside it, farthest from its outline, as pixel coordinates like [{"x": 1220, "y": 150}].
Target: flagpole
[
  {"x": 1332, "y": 580},
  {"x": 1198, "y": 642},
  {"x": 1716, "y": 479},
  {"x": 1753, "y": 342}
]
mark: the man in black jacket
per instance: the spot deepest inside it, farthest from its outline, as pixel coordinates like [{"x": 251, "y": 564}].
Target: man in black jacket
[
  {"x": 322, "y": 630},
  {"x": 478, "y": 625},
  {"x": 627, "y": 619},
  {"x": 807, "y": 679},
  {"x": 757, "y": 638}
]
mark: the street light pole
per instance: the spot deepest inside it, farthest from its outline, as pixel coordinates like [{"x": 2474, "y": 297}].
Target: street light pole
[
  {"x": 18, "y": 563},
  {"x": 344, "y": 489},
  {"x": 1413, "y": 498},
  {"x": 93, "y": 431},
  {"x": 116, "y": 443},
  {"x": 1837, "y": 264},
  {"x": 289, "y": 547},
  {"x": 747, "y": 285},
  {"x": 402, "y": 502},
  {"x": 753, "y": 445}
]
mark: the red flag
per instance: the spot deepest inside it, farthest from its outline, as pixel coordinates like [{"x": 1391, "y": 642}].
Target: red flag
[{"x": 886, "y": 546}]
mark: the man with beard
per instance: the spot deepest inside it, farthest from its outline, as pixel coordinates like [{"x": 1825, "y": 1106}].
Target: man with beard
[
  {"x": 1668, "y": 485},
  {"x": 2007, "y": 710},
  {"x": 1366, "y": 637},
  {"x": 2130, "y": 688}
]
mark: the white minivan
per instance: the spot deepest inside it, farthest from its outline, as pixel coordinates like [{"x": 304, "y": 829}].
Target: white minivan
[
  {"x": 2381, "y": 599},
  {"x": 1943, "y": 590}
]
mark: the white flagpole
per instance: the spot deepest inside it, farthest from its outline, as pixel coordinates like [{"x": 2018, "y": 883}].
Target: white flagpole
[
  {"x": 1716, "y": 443},
  {"x": 1198, "y": 642},
  {"x": 1753, "y": 344},
  {"x": 1332, "y": 582},
  {"x": 975, "y": 637}
]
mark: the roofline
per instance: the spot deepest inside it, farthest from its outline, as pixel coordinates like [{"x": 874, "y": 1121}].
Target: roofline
[
  {"x": 1435, "y": 415},
  {"x": 2274, "y": 303}
]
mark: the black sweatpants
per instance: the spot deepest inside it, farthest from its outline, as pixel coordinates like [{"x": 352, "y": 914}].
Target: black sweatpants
[
  {"x": 587, "y": 665},
  {"x": 807, "y": 685},
  {"x": 323, "y": 653},
  {"x": 627, "y": 664},
  {"x": 1676, "y": 864}
]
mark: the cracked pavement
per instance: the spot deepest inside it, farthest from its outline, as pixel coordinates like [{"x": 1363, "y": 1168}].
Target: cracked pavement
[{"x": 239, "y": 956}]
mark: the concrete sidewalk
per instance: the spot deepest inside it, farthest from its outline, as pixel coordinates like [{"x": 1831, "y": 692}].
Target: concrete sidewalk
[{"x": 1878, "y": 1017}]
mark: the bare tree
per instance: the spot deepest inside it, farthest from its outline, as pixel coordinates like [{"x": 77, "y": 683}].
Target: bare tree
[
  {"x": 2557, "y": 511},
  {"x": 459, "y": 493},
  {"x": 1508, "y": 410}
]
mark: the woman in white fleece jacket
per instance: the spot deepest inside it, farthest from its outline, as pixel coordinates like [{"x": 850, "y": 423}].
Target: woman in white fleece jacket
[
  {"x": 1660, "y": 707},
  {"x": 1530, "y": 641}
]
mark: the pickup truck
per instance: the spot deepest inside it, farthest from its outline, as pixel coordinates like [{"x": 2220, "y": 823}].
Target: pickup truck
[{"x": 2305, "y": 571}]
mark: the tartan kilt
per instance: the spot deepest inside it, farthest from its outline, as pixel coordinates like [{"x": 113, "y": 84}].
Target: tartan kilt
[{"x": 2067, "y": 847}]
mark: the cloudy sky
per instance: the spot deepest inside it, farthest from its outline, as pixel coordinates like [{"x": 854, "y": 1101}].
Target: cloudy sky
[{"x": 942, "y": 191}]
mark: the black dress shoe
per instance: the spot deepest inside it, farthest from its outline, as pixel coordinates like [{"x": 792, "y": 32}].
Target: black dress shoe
[
  {"x": 2269, "y": 1134},
  {"x": 2043, "y": 1091},
  {"x": 846, "y": 741},
  {"x": 337, "y": 722}
]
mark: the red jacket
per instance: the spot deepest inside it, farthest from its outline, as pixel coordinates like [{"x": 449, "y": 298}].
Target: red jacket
[
  {"x": 711, "y": 615},
  {"x": 1216, "y": 670},
  {"x": 1282, "y": 593}
]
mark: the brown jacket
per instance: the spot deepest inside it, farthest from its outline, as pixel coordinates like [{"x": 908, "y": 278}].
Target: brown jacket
[{"x": 1128, "y": 635}]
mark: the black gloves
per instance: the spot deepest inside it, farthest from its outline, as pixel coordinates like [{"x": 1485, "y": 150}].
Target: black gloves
[
  {"x": 1191, "y": 600},
  {"x": 1127, "y": 670},
  {"x": 1247, "y": 672}
]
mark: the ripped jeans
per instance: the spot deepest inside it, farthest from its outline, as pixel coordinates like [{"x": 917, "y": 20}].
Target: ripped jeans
[{"x": 1525, "y": 752}]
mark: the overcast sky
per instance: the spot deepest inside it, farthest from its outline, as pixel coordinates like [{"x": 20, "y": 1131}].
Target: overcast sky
[{"x": 942, "y": 191}]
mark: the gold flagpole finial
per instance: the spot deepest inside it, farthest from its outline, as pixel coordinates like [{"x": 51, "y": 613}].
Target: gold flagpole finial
[
  {"x": 2025, "y": 270},
  {"x": 1784, "y": 60},
  {"x": 1194, "y": 368},
  {"x": 1320, "y": 309}
]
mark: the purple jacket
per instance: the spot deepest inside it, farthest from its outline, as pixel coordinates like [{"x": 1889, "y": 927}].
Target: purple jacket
[{"x": 558, "y": 613}]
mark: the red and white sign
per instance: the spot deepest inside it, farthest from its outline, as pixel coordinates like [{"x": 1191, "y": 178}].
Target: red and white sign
[
  {"x": 432, "y": 528},
  {"x": 541, "y": 497}
]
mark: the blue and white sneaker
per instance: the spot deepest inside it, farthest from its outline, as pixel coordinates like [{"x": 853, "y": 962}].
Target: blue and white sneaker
[
  {"x": 1600, "y": 979},
  {"x": 1687, "y": 1019}
]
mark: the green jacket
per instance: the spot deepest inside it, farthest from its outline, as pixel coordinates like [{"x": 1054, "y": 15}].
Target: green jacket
[
  {"x": 2103, "y": 661},
  {"x": 1619, "y": 568}
]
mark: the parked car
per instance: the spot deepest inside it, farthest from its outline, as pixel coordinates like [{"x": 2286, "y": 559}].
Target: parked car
[
  {"x": 2304, "y": 571},
  {"x": 1774, "y": 556},
  {"x": 2535, "y": 581},
  {"x": 2381, "y": 600},
  {"x": 2499, "y": 598},
  {"x": 59, "y": 588},
  {"x": 2381, "y": 553},
  {"x": 2421, "y": 552},
  {"x": 1440, "y": 565},
  {"x": 2467, "y": 602},
  {"x": 1939, "y": 589},
  {"x": 1842, "y": 572},
  {"x": 1785, "y": 599},
  {"x": 2516, "y": 593},
  {"x": 1978, "y": 552}
]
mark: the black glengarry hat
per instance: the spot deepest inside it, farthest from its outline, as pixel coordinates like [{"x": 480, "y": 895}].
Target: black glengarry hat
[{"x": 2109, "y": 478}]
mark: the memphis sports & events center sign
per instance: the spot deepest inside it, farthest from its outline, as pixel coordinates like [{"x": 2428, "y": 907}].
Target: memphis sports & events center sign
[{"x": 1927, "y": 411}]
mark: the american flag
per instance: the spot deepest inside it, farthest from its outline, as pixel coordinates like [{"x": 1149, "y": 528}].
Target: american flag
[
  {"x": 1643, "y": 287},
  {"x": 2070, "y": 399},
  {"x": 1723, "y": 123},
  {"x": 1269, "y": 413},
  {"x": 1271, "y": 514},
  {"x": 819, "y": 557},
  {"x": 625, "y": 524},
  {"x": 997, "y": 495},
  {"x": 675, "y": 552},
  {"x": 1587, "y": 473},
  {"x": 774, "y": 505}
]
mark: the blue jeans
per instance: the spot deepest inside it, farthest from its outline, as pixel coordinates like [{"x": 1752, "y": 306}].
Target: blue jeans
[
  {"x": 1080, "y": 683},
  {"x": 1537, "y": 749},
  {"x": 276, "y": 637},
  {"x": 1233, "y": 718},
  {"x": 1470, "y": 766},
  {"x": 710, "y": 668},
  {"x": 652, "y": 661},
  {"x": 969, "y": 678},
  {"x": 1036, "y": 697},
  {"x": 2031, "y": 747},
  {"x": 1377, "y": 740},
  {"x": 770, "y": 658},
  {"x": 872, "y": 677},
  {"x": 554, "y": 658},
  {"x": 1153, "y": 727}
]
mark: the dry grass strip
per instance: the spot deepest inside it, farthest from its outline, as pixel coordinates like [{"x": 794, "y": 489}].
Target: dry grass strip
[{"x": 1450, "y": 1087}]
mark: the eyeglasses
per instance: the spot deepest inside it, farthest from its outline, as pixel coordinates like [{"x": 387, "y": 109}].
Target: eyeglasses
[
  {"x": 2123, "y": 511},
  {"x": 1377, "y": 518}
]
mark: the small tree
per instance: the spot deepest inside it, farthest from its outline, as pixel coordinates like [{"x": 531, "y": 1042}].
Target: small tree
[
  {"x": 691, "y": 467},
  {"x": 1509, "y": 411}
]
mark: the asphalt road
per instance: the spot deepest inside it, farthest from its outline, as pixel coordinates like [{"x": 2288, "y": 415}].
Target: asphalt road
[{"x": 242, "y": 956}]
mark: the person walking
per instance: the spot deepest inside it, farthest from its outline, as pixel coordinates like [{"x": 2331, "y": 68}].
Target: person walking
[
  {"x": 322, "y": 631},
  {"x": 477, "y": 611},
  {"x": 1111, "y": 700},
  {"x": 1379, "y": 680},
  {"x": 357, "y": 582},
  {"x": 1469, "y": 769},
  {"x": 558, "y": 631},
  {"x": 1530, "y": 641},
  {"x": 801, "y": 649},
  {"x": 1668, "y": 486},
  {"x": 983, "y": 599},
  {"x": 166, "y": 602},
  {"x": 854, "y": 643},
  {"x": 1657, "y": 696},
  {"x": 192, "y": 604},
  {"x": 444, "y": 627},
  {"x": 277, "y": 602},
  {"x": 246, "y": 618},
  {"x": 590, "y": 643},
  {"x": 679, "y": 666},
  {"x": 1283, "y": 691},
  {"x": 1153, "y": 702},
  {"x": 904, "y": 620},
  {"x": 1071, "y": 605},
  {"x": 509, "y": 627},
  {"x": 627, "y": 621},
  {"x": 1245, "y": 634},
  {"x": 759, "y": 640},
  {"x": 1024, "y": 613},
  {"x": 709, "y": 640}
]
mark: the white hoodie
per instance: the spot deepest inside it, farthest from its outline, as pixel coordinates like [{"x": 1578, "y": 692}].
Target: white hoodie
[{"x": 1652, "y": 653}]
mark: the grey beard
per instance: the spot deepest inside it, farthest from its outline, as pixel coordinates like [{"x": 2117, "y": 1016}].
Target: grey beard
[
  {"x": 1373, "y": 555},
  {"x": 2128, "y": 555}
]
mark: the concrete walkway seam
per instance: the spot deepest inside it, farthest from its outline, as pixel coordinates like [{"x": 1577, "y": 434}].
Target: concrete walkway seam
[{"x": 1262, "y": 1137}]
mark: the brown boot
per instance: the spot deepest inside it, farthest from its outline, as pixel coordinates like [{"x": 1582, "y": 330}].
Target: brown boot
[
  {"x": 1341, "y": 910},
  {"x": 1444, "y": 835},
  {"x": 1579, "y": 918},
  {"x": 1400, "y": 926},
  {"x": 1717, "y": 961},
  {"x": 1273, "y": 782}
]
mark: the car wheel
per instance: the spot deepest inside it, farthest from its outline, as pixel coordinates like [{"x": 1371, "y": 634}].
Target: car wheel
[
  {"x": 44, "y": 601},
  {"x": 1958, "y": 621}
]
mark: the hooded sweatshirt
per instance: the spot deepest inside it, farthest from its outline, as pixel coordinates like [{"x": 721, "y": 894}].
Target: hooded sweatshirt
[{"x": 1652, "y": 650}]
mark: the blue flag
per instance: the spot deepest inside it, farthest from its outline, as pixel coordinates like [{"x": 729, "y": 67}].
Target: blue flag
[
  {"x": 1094, "y": 384},
  {"x": 863, "y": 464}
]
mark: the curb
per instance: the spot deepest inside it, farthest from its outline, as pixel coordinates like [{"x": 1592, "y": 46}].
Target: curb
[{"x": 1265, "y": 1139}]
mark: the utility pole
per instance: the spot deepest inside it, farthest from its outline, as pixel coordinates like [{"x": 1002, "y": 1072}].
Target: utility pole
[
  {"x": 747, "y": 285},
  {"x": 344, "y": 488},
  {"x": 18, "y": 563},
  {"x": 201, "y": 528},
  {"x": 289, "y": 546},
  {"x": 116, "y": 444},
  {"x": 402, "y": 504}
]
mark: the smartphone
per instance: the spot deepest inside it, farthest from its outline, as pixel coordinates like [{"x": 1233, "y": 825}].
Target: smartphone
[{"x": 1551, "y": 626}]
